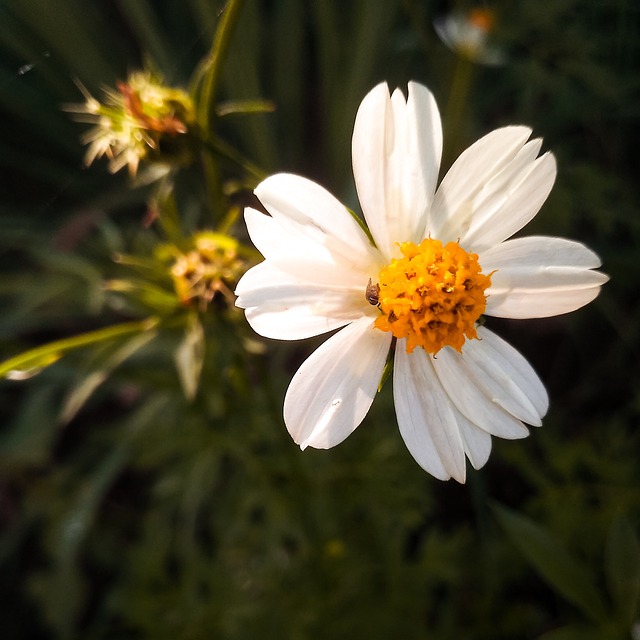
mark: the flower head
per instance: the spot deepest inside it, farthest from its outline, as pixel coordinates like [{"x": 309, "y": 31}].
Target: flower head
[
  {"x": 469, "y": 35},
  {"x": 142, "y": 119},
  {"x": 434, "y": 261},
  {"x": 208, "y": 269}
]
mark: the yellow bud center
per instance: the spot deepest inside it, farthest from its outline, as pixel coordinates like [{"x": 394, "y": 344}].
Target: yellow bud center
[
  {"x": 209, "y": 268},
  {"x": 432, "y": 296}
]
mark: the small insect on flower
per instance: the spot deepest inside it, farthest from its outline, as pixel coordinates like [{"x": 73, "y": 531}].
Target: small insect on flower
[{"x": 372, "y": 293}]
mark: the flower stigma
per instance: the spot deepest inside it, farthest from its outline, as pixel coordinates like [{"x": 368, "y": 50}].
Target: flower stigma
[{"x": 432, "y": 296}]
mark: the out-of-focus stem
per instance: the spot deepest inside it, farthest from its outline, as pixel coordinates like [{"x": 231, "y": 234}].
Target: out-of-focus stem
[
  {"x": 456, "y": 106},
  {"x": 206, "y": 101},
  {"x": 227, "y": 151},
  {"x": 214, "y": 63}
]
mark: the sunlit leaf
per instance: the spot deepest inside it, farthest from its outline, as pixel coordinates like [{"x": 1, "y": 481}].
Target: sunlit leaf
[
  {"x": 32, "y": 367},
  {"x": 244, "y": 107},
  {"x": 150, "y": 295},
  {"x": 46, "y": 354}
]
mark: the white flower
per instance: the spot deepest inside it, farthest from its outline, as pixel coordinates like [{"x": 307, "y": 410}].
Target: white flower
[
  {"x": 440, "y": 259},
  {"x": 468, "y": 34}
]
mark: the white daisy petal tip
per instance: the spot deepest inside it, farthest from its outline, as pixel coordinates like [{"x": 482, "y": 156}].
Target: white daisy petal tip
[
  {"x": 331, "y": 393},
  {"x": 396, "y": 149},
  {"x": 539, "y": 277}
]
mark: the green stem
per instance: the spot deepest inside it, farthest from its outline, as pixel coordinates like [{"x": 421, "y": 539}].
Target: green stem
[
  {"x": 206, "y": 101},
  {"x": 213, "y": 68},
  {"x": 47, "y": 354},
  {"x": 456, "y": 105},
  {"x": 225, "y": 150}
]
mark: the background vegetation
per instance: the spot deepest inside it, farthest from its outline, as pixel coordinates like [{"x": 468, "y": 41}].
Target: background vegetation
[{"x": 140, "y": 498}]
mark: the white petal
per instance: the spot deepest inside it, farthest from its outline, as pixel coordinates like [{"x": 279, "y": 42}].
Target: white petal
[
  {"x": 457, "y": 378},
  {"x": 331, "y": 393},
  {"x": 537, "y": 277},
  {"x": 506, "y": 377},
  {"x": 309, "y": 210},
  {"x": 535, "y": 250},
  {"x": 477, "y": 442},
  {"x": 452, "y": 209},
  {"x": 288, "y": 250},
  {"x": 495, "y": 193},
  {"x": 426, "y": 416},
  {"x": 520, "y": 304},
  {"x": 281, "y": 306},
  {"x": 275, "y": 240},
  {"x": 396, "y": 151},
  {"x": 510, "y": 208}
]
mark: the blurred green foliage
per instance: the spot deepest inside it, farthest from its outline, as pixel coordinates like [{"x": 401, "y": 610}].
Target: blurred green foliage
[{"x": 148, "y": 488}]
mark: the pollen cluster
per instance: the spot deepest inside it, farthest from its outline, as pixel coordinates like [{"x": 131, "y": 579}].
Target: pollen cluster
[
  {"x": 211, "y": 267},
  {"x": 432, "y": 296}
]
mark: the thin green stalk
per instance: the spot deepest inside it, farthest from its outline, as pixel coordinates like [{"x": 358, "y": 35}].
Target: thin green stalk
[
  {"x": 456, "y": 105},
  {"x": 213, "y": 67},
  {"x": 221, "y": 148},
  {"x": 206, "y": 102}
]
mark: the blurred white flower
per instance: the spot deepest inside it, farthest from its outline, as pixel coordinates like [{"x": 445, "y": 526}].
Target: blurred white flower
[
  {"x": 438, "y": 260},
  {"x": 469, "y": 35}
]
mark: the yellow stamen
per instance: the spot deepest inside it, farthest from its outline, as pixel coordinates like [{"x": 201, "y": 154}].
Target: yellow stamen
[{"x": 432, "y": 296}]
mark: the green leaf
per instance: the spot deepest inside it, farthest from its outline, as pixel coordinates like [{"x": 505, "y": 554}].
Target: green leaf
[
  {"x": 64, "y": 590},
  {"x": 215, "y": 60},
  {"x": 622, "y": 568},
  {"x": 146, "y": 293},
  {"x": 563, "y": 572},
  {"x": 189, "y": 357},
  {"x": 99, "y": 372},
  {"x": 32, "y": 361},
  {"x": 28, "y": 438},
  {"x": 244, "y": 107}
]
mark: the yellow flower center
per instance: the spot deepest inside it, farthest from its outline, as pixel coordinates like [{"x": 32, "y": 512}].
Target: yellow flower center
[{"x": 432, "y": 296}]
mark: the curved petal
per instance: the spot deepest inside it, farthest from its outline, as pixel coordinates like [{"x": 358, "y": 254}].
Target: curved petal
[
  {"x": 476, "y": 441},
  {"x": 396, "y": 149},
  {"x": 308, "y": 209},
  {"x": 331, "y": 393},
  {"x": 537, "y": 277},
  {"x": 426, "y": 417},
  {"x": 457, "y": 378},
  {"x": 288, "y": 250},
  {"x": 520, "y": 304},
  {"x": 502, "y": 211},
  {"x": 452, "y": 210},
  {"x": 274, "y": 239},
  {"x": 281, "y": 306},
  {"x": 506, "y": 377}
]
